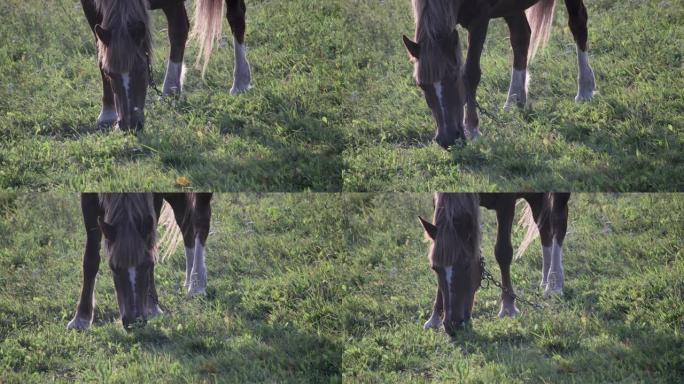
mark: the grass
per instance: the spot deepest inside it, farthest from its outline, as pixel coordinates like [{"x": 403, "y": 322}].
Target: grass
[
  {"x": 334, "y": 107},
  {"x": 326, "y": 287}
]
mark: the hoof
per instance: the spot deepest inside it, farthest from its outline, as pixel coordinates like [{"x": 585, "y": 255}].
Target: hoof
[
  {"x": 79, "y": 323},
  {"x": 107, "y": 118},
  {"x": 433, "y": 322},
  {"x": 198, "y": 285},
  {"x": 473, "y": 133},
  {"x": 153, "y": 311},
  {"x": 586, "y": 96},
  {"x": 508, "y": 311},
  {"x": 236, "y": 89},
  {"x": 548, "y": 291}
]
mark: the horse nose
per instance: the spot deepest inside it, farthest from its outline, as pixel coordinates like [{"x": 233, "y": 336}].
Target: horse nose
[
  {"x": 129, "y": 322},
  {"x": 444, "y": 141}
]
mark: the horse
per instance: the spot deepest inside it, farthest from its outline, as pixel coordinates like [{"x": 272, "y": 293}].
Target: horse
[
  {"x": 122, "y": 35},
  {"x": 455, "y": 258},
  {"x": 128, "y": 223},
  {"x": 436, "y": 55}
]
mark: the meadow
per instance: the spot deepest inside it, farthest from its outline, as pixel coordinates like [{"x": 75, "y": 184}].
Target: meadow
[
  {"x": 334, "y": 107},
  {"x": 331, "y": 287}
]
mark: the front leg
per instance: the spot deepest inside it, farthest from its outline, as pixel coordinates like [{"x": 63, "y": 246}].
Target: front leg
[
  {"x": 242, "y": 75},
  {"x": 477, "y": 32},
  {"x": 435, "y": 320},
  {"x": 520, "y": 32},
  {"x": 179, "y": 26},
  {"x": 504, "y": 255},
  {"x": 107, "y": 116},
  {"x": 91, "y": 263},
  {"x": 577, "y": 20}
]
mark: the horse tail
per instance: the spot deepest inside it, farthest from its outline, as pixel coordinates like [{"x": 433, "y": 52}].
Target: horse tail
[
  {"x": 540, "y": 18},
  {"x": 531, "y": 233},
  {"x": 172, "y": 233},
  {"x": 207, "y": 28}
]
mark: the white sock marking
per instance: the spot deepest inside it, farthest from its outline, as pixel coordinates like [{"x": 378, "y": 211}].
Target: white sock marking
[
  {"x": 189, "y": 259},
  {"x": 585, "y": 82},
  {"x": 173, "y": 81},
  {"x": 517, "y": 91},
  {"x": 198, "y": 280},
  {"x": 546, "y": 252},
  {"x": 241, "y": 73}
]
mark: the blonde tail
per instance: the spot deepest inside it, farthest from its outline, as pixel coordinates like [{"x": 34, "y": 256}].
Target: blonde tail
[
  {"x": 527, "y": 222},
  {"x": 172, "y": 234},
  {"x": 207, "y": 28},
  {"x": 540, "y": 18}
]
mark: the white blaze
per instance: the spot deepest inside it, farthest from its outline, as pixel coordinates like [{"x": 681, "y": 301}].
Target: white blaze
[
  {"x": 440, "y": 99},
  {"x": 131, "y": 278}
]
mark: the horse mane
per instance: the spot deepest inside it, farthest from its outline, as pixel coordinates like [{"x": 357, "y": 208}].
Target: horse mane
[
  {"x": 127, "y": 212},
  {"x": 457, "y": 218},
  {"x": 435, "y": 21},
  {"x": 117, "y": 17}
]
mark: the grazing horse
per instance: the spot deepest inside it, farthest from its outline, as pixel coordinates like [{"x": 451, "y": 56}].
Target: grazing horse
[
  {"x": 128, "y": 222},
  {"x": 436, "y": 55},
  {"x": 122, "y": 32},
  {"x": 455, "y": 249}
]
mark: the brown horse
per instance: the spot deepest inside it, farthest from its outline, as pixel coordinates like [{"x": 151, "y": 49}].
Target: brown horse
[
  {"x": 435, "y": 52},
  {"x": 455, "y": 249},
  {"x": 122, "y": 32},
  {"x": 128, "y": 222}
]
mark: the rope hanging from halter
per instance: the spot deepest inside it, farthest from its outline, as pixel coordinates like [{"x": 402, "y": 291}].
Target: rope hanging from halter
[{"x": 488, "y": 277}]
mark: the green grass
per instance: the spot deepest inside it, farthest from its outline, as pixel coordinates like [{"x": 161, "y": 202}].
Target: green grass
[
  {"x": 325, "y": 287},
  {"x": 334, "y": 107}
]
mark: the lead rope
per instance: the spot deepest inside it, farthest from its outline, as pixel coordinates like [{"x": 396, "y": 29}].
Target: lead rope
[
  {"x": 150, "y": 75},
  {"x": 488, "y": 277}
]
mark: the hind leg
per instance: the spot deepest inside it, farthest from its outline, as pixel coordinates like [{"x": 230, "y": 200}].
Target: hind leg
[
  {"x": 559, "y": 225},
  {"x": 586, "y": 83},
  {"x": 242, "y": 75},
  {"x": 178, "y": 35},
  {"x": 182, "y": 212},
  {"x": 201, "y": 222},
  {"x": 520, "y": 41},
  {"x": 541, "y": 216}
]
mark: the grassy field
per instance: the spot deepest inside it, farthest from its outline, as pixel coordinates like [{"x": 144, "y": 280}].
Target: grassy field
[
  {"x": 324, "y": 287},
  {"x": 334, "y": 107}
]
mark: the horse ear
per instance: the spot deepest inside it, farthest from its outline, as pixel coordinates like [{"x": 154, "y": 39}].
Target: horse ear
[
  {"x": 103, "y": 35},
  {"x": 137, "y": 30},
  {"x": 108, "y": 230},
  {"x": 412, "y": 47},
  {"x": 430, "y": 229}
]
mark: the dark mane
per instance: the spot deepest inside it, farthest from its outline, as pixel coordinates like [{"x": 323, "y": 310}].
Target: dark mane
[
  {"x": 117, "y": 17},
  {"x": 127, "y": 212},
  {"x": 435, "y": 20},
  {"x": 457, "y": 217}
]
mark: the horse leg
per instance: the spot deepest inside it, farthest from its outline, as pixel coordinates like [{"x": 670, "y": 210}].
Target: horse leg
[
  {"x": 504, "y": 254},
  {"x": 577, "y": 13},
  {"x": 520, "y": 41},
  {"x": 241, "y": 72},
  {"x": 477, "y": 33},
  {"x": 182, "y": 212},
  {"x": 435, "y": 320},
  {"x": 541, "y": 214},
  {"x": 107, "y": 116},
  {"x": 559, "y": 226},
  {"x": 179, "y": 26},
  {"x": 91, "y": 263},
  {"x": 201, "y": 218}
]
